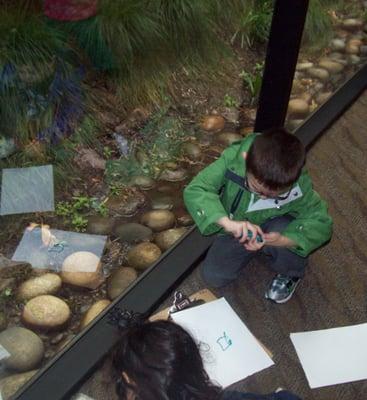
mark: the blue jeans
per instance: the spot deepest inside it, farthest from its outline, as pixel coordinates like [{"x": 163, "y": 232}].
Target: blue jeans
[{"x": 227, "y": 257}]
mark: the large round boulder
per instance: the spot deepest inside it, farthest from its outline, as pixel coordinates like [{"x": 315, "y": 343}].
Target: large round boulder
[
  {"x": 119, "y": 281},
  {"x": 143, "y": 255},
  {"x": 25, "y": 348},
  {"x": 166, "y": 239},
  {"x": 46, "y": 312},
  {"x": 158, "y": 220},
  {"x": 82, "y": 268},
  {"x": 94, "y": 310},
  {"x": 44, "y": 284}
]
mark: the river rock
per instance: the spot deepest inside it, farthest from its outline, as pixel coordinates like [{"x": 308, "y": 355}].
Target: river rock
[
  {"x": 352, "y": 47},
  {"x": 352, "y": 24},
  {"x": 7, "y": 146},
  {"x": 82, "y": 268},
  {"x": 176, "y": 175},
  {"x": 158, "y": 220},
  {"x": 166, "y": 239},
  {"x": 192, "y": 151},
  {"x": 13, "y": 269},
  {"x": 318, "y": 73},
  {"x": 143, "y": 182},
  {"x": 94, "y": 310},
  {"x": 212, "y": 123},
  {"x": 302, "y": 66},
  {"x": 298, "y": 108},
  {"x": 126, "y": 204},
  {"x": 337, "y": 44},
  {"x": 322, "y": 97},
  {"x": 363, "y": 50},
  {"x": 44, "y": 284},
  {"x": 231, "y": 114},
  {"x": 293, "y": 124},
  {"x": 227, "y": 138},
  {"x": 89, "y": 158},
  {"x": 3, "y": 321},
  {"x": 306, "y": 96},
  {"x": 354, "y": 59},
  {"x": 332, "y": 66},
  {"x": 162, "y": 202},
  {"x": 143, "y": 255},
  {"x": 183, "y": 217},
  {"x": 46, "y": 312},
  {"x": 119, "y": 281},
  {"x": 100, "y": 225},
  {"x": 133, "y": 232},
  {"x": 11, "y": 384},
  {"x": 25, "y": 347}
]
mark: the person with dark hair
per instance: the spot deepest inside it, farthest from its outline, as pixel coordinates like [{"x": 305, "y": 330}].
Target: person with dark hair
[
  {"x": 258, "y": 197},
  {"x": 160, "y": 361}
]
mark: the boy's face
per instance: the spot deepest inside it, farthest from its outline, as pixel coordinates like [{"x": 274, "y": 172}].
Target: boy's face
[{"x": 256, "y": 187}]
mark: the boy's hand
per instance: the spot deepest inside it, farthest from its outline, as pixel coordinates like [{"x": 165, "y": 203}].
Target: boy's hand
[
  {"x": 239, "y": 229},
  {"x": 278, "y": 240}
]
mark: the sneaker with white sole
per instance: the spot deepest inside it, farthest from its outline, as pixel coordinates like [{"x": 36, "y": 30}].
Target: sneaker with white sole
[{"x": 281, "y": 288}]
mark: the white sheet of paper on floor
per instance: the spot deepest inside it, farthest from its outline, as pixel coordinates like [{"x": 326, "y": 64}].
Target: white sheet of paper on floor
[
  {"x": 333, "y": 356},
  {"x": 27, "y": 190},
  {"x": 233, "y": 352},
  {"x": 47, "y": 248}
]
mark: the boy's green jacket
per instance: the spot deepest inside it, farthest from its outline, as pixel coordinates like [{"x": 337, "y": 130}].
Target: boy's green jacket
[{"x": 217, "y": 191}]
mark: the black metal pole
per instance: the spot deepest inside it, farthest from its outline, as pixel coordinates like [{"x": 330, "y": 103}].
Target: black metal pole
[{"x": 289, "y": 17}]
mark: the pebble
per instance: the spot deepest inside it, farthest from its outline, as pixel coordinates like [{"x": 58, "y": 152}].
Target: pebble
[
  {"x": 227, "y": 138},
  {"x": 82, "y": 268},
  {"x": 322, "y": 97},
  {"x": 212, "y": 123},
  {"x": 158, "y": 220},
  {"x": 143, "y": 255},
  {"x": 94, "y": 310},
  {"x": 302, "y": 66},
  {"x": 166, "y": 239},
  {"x": 332, "y": 66},
  {"x": 44, "y": 284},
  {"x": 298, "y": 108},
  {"x": 318, "y": 73},
  {"x": 133, "y": 233},
  {"x": 352, "y": 24},
  {"x": 192, "y": 151},
  {"x": 11, "y": 384},
  {"x": 176, "y": 175},
  {"x": 100, "y": 225},
  {"x": 161, "y": 202},
  {"x": 25, "y": 347},
  {"x": 119, "y": 280},
  {"x": 46, "y": 312},
  {"x": 337, "y": 44},
  {"x": 143, "y": 182}
]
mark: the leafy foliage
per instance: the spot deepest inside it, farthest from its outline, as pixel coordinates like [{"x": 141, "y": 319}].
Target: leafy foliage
[{"x": 252, "y": 81}]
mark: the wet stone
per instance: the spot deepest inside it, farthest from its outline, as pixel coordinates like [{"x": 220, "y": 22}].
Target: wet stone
[
  {"x": 298, "y": 108},
  {"x": 227, "y": 138},
  {"x": 25, "y": 347},
  {"x": 100, "y": 225},
  {"x": 212, "y": 123},
  {"x": 133, "y": 232},
  {"x": 57, "y": 339},
  {"x": 126, "y": 204},
  {"x": 158, "y": 220},
  {"x": 143, "y": 255},
  {"x": 173, "y": 175},
  {"x": 119, "y": 280},
  {"x": 337, "y": 44},
  {"x": 318, "y": 73},
  {"x": 231, "y": 114},
  {"x": 184, "y": 218},
  {"x": 3, "y": 321},
  {"x": 352, "y": 47},
  {"x": 44, "y": 284},
  {"x": 332, "y": 66},
  {"x": 302, "y": 66},
  {"x": 322, "y": 97},
  {"x": 293, "y": 124},
  {"x": 93, "y": 311},
  {"x": 162, "y": 202},
  {"x": 46, "y": 312},
  {"x": 354, "y": 59},
  {"x": 11, "y": 384},
  {"x": 82, "y": 268},
  {"x": 166, "y": 239},
  {"x": 352, "y": 24},
  {"x": 192, "y": 151},
  {"x": 143, "y": 182}
]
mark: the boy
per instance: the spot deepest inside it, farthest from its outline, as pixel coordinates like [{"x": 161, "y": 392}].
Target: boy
[{"x": 258, "y": 197}]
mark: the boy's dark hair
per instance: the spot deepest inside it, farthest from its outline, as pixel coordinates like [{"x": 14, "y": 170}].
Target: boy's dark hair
[{"x": 276, "y": 158}]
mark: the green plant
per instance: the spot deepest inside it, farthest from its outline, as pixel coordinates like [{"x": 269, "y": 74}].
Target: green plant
[
  {"x": 78, "y": 208},
  {"x": 254, "y": 25},
  {"x": 252, "y": 81},
  {"x": 229, "y": 101},
  {"x": 107, "y": 152}
]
